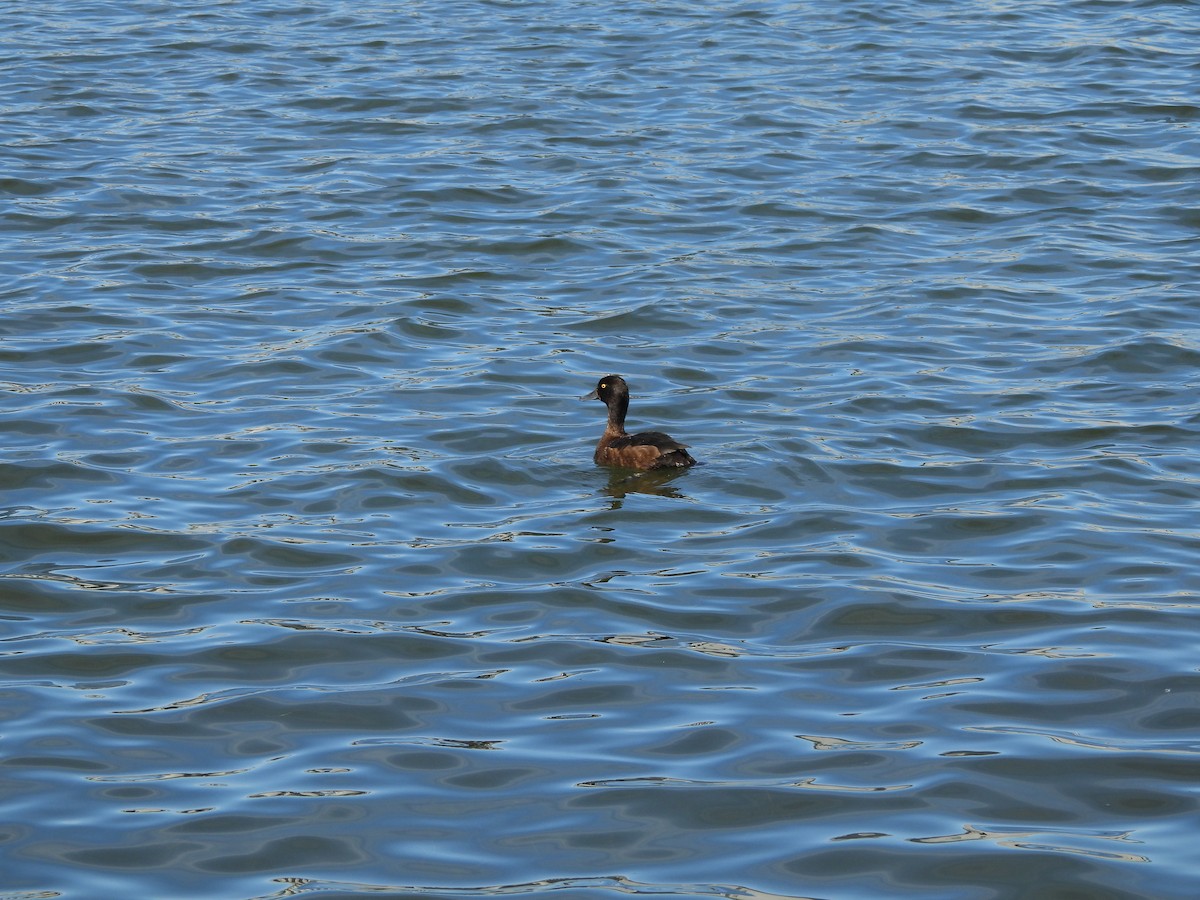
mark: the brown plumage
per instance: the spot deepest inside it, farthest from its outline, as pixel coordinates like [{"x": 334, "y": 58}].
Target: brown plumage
[{"x": 644, "y": 450}]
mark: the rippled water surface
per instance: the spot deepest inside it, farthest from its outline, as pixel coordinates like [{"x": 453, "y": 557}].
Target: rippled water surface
[{"x": 309, "y": 585}]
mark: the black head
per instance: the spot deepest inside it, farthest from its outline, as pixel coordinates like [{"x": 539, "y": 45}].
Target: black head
[{"x": 608, "y": 389}]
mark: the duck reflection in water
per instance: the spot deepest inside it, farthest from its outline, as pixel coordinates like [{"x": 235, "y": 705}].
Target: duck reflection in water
[{"x": 655, "y": 481}]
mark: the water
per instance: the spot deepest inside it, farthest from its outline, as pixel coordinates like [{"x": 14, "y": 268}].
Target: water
[{"x": 310, "y": 587}]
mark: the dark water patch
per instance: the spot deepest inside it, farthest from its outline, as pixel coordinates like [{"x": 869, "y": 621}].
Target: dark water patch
[{"x": 27, "y": 541}]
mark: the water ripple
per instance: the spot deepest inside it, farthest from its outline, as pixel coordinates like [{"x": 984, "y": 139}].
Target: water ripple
[{"x": 306, "y": 575}]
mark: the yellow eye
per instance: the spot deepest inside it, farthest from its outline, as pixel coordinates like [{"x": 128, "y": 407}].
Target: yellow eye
[{"x": 603, "y": 385}]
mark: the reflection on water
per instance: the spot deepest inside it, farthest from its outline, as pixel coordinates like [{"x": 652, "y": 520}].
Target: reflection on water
[{"x": 659, "y": 482}]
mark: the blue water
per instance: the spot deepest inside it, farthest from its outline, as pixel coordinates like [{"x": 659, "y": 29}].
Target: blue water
[{"x": 308, "y": 585}]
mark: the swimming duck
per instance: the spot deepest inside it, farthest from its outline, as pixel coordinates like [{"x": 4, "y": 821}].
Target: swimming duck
[{"x": 644, "y": 450}]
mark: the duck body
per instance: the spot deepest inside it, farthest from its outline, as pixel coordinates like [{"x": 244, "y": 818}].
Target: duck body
[{"x": 644, "y": 450}]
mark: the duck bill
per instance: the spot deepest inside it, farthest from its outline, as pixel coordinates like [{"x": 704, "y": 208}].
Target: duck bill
[{"x": 592, "y": 396}]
